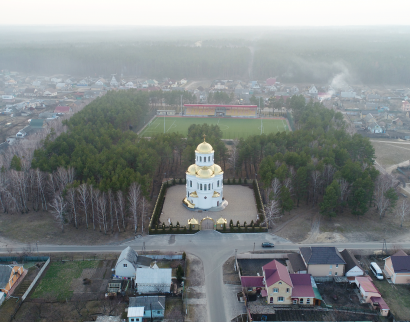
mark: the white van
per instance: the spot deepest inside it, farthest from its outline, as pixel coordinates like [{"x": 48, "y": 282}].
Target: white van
[{"x": 376, "y": 270}]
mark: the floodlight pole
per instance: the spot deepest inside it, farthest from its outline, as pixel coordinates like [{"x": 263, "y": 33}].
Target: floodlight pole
[{"x": 164, "y": 123}]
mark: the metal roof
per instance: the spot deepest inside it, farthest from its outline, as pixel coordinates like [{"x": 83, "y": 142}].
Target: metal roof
[
  {"x": 128, "y": 254},
  {"x": 321, "y": 255},
  {"x": 154, "y": 276},
  {"x": 148, "y": 302},
  {"x": 5, "y": 272}
]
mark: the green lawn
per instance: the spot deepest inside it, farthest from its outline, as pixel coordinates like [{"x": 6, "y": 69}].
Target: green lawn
[
  {"x": 57, "y": 280},
  {"x": 397, "y": 298},
  {"x": 231, "y": 127}
]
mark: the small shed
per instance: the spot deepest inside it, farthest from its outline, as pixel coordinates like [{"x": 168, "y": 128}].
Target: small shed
[
  {"x": 153, "y": 280},
  {"x": 352, "y": 267},
  {"x": 37, "y": 123}
]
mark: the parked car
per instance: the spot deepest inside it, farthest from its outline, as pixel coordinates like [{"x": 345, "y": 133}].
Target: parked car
[
  {"x": 266, "y": 244},
  {"x": 376, "y": 270}
]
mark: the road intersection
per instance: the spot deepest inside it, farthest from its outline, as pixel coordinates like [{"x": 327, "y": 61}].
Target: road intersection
[{"x": 213, "y": 248}]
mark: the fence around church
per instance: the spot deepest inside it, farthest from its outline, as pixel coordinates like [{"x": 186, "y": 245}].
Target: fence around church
[{"x": 189, "y": 229}]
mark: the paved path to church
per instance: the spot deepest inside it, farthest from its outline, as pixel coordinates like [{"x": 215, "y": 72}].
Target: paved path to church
[{"x": 241, "y": 206}]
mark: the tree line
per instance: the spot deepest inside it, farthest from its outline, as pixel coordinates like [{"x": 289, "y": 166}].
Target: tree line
[{"x": 319, "y": 164}]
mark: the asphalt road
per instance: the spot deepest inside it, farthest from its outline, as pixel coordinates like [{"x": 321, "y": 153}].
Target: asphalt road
[{"x": 213, "y": 249}]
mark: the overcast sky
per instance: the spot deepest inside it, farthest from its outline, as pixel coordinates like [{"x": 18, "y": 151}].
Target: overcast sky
[{"x": 206, "y": 12}]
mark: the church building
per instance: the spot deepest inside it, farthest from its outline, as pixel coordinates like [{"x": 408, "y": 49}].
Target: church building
[{"x": 204, "y": 181}]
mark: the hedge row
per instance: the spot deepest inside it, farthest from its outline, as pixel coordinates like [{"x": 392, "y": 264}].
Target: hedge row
[{"x": 259, "y": 203}]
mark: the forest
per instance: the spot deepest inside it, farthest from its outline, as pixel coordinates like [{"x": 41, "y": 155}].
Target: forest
[
  {"x": 362, "y": 55},
  {"x": 93, "y": 170}
]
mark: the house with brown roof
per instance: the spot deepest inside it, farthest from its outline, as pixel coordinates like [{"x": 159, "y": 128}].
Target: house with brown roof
[
  {"x": 63, "y": 109},
  {"x": 323, "y": 261},
  {"x": 9, "y": 275},
  {"x": 397, "y": 268},
  {"x": 279, "y": 287},
  {"x": 352, "y": 267}
]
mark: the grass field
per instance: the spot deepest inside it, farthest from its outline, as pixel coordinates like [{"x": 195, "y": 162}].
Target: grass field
[
  {"x": 58, "y": 278},
  {"x": 232, "y": 128}
]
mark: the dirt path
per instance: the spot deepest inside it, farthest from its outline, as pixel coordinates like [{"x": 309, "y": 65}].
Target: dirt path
[
  {"x": 283, "y": 225},
  {"x": 314, "y": 230}
]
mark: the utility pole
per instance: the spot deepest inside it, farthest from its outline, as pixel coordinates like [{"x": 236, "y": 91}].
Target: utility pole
[
  {"x": 164, "y": 123},
  {"x": 235, "y": 260}
]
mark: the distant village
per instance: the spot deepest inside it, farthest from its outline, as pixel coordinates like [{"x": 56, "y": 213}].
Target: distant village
[{"x": 28, "y": 102}]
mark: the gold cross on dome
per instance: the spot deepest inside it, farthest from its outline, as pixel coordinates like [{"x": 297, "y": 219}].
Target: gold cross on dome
[{"x": 204, "y": 136}]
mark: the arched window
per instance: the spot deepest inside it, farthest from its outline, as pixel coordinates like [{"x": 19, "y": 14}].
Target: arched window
[
  {"x": 190, "y": 183},
  {"x": 209, "y": 159},
  {"x": 201, "y": 186},
  {"x": 217, "y": 183},
  {"x": 200, "y": 159},
  {"x": 209, "y": 186},
  {"x": 188, "y": 194}
]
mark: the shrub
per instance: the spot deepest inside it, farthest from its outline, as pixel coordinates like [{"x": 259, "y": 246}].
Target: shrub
[
  {"x": 183, "y": 255},
  {"x": 229, "y": 181},
  {"x": 233, "y": 181},
  {"x": 245, "y": 181},
  {"x": 180, "y": 181},
  {"x": 244, "y": 223},
  {"x": 240, "y": 181},
  {"x": 224, "y": 227},
  {"x": 184, "y": 230},
  {"x": 231, "y": 223},
  {"x": 170, "y": 227},
  {"x": 173, "y": 181},
  {"x": 190, "y": 227},
  {"x": 179, "y": 273},
  {"x": 238, "y": 224}
]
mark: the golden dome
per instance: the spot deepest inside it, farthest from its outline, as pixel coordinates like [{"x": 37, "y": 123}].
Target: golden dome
[
  {"x": 205, "y": 172},
  {"x": 221, "y": 221},
  {"x": 216, "y": 194},
  {"x": 217, "y": 169},
  {"x": 204, "y": 147},
  {"x": 192, "y": 221},
  {"x": 191, "y": 169},
  {"x": 193, "y": 194}
]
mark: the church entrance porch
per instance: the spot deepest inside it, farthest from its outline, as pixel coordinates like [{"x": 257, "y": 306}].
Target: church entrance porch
[{"x": 207, "y": 224}]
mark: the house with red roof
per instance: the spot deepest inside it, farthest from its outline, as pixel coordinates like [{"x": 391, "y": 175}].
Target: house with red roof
[
  {"x": 397, "y": 268},
  {"x": 63, "y": 109},
  {"x": 371, "y": 294},
  {"x": 279, "y": 287}
]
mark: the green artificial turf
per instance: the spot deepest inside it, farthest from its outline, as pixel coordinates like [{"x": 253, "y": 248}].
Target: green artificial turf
[{"x": 232, "y": 128}]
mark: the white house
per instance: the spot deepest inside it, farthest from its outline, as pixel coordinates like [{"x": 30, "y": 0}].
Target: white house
[
  {"x": 135, "y": 314},
  {"x": 129, "y": 85},
  {"x": 113, "y": 82},
  {"x": 352, "y": 267},
  {"x": 313, "y": 90},
  {"x": 49, "y": 94},
  {"x": 183, "y": 81},
  {"x": 99, "y": 83},
  {"x": 128, "y": 262},
  {"x": 204, "y": 180},
  {"x": 82, "y": 83},
  {"x": 60, "y": 85},
  {"x": 153, "y": 280}
]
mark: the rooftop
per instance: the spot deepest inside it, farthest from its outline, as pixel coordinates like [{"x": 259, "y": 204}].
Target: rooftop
[
  {"x": 321, "y": 255},
  {"x": 401, "y": 264},
  {"x": 302, "y": 285},
  {"x": 154, "y": 302},
  {"x": 275, "y": 272},
  {"x": 252, "y": 281}
]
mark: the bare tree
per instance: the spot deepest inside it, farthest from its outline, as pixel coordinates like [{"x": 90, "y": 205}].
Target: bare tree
[
  {"x": 133, "y": 201},
  {"x": 58, "y": 207},
  {"x": 83, "y": 197},
  {"x": 234, "y": 155},
  {"x": 315, "y": 176},
  {"x": 403, "y": 210},
  {"x": 121, "y": 207},
  {"x": 111, "y": 201},
  {"x": 382, "y": 185},
  {"x": 102, "y": 212},
  {"x": 272, "y": 212},
  {"x": 72, "y": 202},
  {"x": 143, "y": 208}
]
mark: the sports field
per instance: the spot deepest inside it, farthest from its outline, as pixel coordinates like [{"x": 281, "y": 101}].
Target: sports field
[{"x": 232, "y": 128}]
